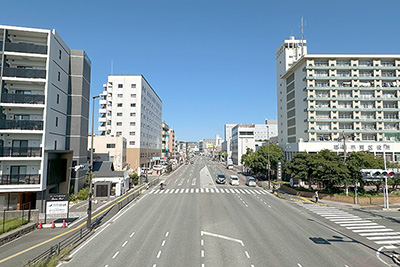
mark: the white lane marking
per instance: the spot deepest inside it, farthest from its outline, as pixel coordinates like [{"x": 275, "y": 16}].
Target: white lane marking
[
  {"x": 159, "y": 254},
  {"x": 383, "y": 237},
  {"x": 163, "y": 243},
  {"x": 222, "y": 191},
  {"x": 197, "y": 190},
  {"x": 202, "y": 253},
  {"x": 247, "y": 191},
  {"x": 344, "y": 220},
  {"x": 115, "y": 255},
  {"x": 166, "y": 234},
  {"x": 177, "y": 191},
  {"x": 207, "y": 190},
  {"x": 232, "y": 191},
  {"x": 361, "y": 221},
  {"x": 223, "y": 237},
  {"x": 355, "y": 224},
  {"x": 269, "y": 206},
  {"x": 154, "y": 265},
  {"x": 172, "y": 190},
  {"x": 201, "y": 190},
  {"x": 365, "y": 227},
  {"x": 373, "y": 230},
  {"x": 187, "y": 190},
  {"x": 298, "y": 264},
  {"x": 211, "y": 190},
  {"x": 387, "y": 242},
  {"x": 124, "y": 244},
  {"x": 161, "y": 192},
  {"x": 258, "y": 192},
  {"x": 263, "y": 192},
  {"x": 166, "y": 191},
  {"x": 192, "y": 190},
  {"x": 183, "y": 189},
  {"x": 378, "y": 252},
  {"x": 227, "y": 190},
  {"x": 132, "y": 234},
  {"x": 157, "y": 191},
  {"x": 202, "y": 242},
  {"x": 247, "y": 254},
  {"x": 372, "y": 234},
  {"x": 188, "y": 180},
  {"x": 151, "y": 192},
  {"x": 194, "y": 181},
  {"x": 216, "y": 190},
  {"x": 242, "y": 191},
  {"x": 237, "y": 191}
]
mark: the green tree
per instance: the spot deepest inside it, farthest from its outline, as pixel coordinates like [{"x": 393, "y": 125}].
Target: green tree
[
  {"x": 248, "y": 158},
  {"x": 303, "y": 166},
  {"x": 260, "y": 162},
  {"x": 222, "y": 155}
]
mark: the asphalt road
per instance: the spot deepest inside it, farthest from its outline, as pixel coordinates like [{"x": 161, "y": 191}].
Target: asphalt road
[{"x": 194, "y": 222}]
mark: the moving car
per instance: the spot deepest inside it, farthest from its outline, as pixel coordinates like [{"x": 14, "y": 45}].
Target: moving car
[
  {"x": 220, "y": 178},
  {"x": 234, "y": 180},
  {"x": 192, "y": 162},
  {"x": 251, "y": 181}
]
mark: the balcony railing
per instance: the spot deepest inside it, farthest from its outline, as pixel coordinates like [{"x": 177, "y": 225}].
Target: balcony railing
[
  {"x": 21, "y": 124},
  {"x": 21, "y": 98},
  {"x": 7, "y": 179},
  {"x": 26, "y": 48},
  {"x": 24, "y": 73},
  {"x": 20, "y": 152}
]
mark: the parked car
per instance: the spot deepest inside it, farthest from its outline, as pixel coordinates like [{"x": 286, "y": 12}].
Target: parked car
[
  {"x": 251, "y": 181},
  {"x": 234, "y": 180},
  {"x": 220, "y": 178},
  {"x": 192, "y": 162}
]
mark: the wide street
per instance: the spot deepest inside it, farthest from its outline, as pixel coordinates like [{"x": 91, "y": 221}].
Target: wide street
[{"x": 195, "y": 222}]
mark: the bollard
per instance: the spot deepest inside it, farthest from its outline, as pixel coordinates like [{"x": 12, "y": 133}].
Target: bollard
[
  {"x": 52, "y": 224},
  {"x": 63, "y": 225},
  {"x": 40, "y": 225}
]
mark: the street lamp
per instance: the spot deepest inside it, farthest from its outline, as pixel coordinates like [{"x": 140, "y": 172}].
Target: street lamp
[
  {"x": 89, "y": 209},
  {"x": 269, "y": 174}
]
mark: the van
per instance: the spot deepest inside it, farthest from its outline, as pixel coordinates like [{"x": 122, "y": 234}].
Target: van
[
  {"x": 251, "y": 181},
  {"x": 234, "y": 180}
]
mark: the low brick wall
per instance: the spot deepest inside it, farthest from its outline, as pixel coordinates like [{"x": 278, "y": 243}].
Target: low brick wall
[{"x": 346, "y": 199}]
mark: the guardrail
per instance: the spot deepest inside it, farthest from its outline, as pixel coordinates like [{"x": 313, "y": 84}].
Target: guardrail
[{"x": 83, "y": 232}]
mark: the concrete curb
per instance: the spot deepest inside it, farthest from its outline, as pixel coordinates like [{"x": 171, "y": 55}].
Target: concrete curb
[{"x": 14, "y": 234}]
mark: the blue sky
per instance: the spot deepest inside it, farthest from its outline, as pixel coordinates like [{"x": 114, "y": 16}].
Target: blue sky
[{"x": 211, "y": 62}]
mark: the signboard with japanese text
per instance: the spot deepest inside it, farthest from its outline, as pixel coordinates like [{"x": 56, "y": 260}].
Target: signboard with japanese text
[{"x": 56, "y": 207}]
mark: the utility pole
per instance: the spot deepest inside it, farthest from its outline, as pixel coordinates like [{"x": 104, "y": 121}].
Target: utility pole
[{"x": 269, "y": 167}]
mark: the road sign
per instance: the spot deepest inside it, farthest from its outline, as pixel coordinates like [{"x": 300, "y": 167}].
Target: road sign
[{"x": 58, "y": 197}]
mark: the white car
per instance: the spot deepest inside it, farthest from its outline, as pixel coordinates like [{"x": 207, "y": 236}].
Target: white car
[
  {"x": 234, "y": 180},
  {"x": 157, "y": 167}
]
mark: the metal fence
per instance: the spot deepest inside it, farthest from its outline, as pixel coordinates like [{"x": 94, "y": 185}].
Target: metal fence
[
  {"x": 83, "y": 232},
  {"x": 21, "y": 217}
]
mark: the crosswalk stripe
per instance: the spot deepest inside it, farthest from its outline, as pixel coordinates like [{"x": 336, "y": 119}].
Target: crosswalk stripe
[
  {"x": 166, "y": 191},
  {"x": 258, "y": 192},
  {"x": 365, "y": 227},
  {"x": 242, "y": 191},
  {"x": 207, "y": 190},
  {"x": 372, "y": 230},
  {"x": 263, "y": 192},
  {"x": 172, "y": 190},
  {"x": 212, "y": 190},
  {"x": 216, "y": 190},
  {"x": 237, "y": 191},
  {"x": 359, "y": 224},
  {"x": 344, "y": 222},
  {"x": 182, "y": 190},
  {"x": 197, "y": 190},
  {"x": 232, "y": 191},
  {"x": 187, "y": 190},
  {"x": 383, "y": 237},
  {"x": 226, "y": 190},
  {"x": 151, "y": 192},
  {"x": 222, "y": 190},
  {"x": 156, "y": 192},
  {"x": 375, "y": 234},
  {"x": 201, "y": 190},
  {"x": 192, "y": 190},
  {"x": 387, "y": 242},
  {"x": 247, "y": 191}
]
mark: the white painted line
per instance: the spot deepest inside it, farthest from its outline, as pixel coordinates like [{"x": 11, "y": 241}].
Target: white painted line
[
  {"x": 247, "y": 191},
  {"x": 177, "y": 191},
  {"x": 373, "y": 230},
  {"x": 263, "y": 192},
  {"x": 246, "y": 205},
  {"x": 352, "y": 217},
  {"x": 383, "y": 237},
  {"x": 211, "y": 190},
  {"x": 388, "y": 242},
  {"x": 124, "y": 244},
  {"x": 202, "y": 242},
  {"x": 157, "y": 191},
  {"x": 115, "y": 255},
  {"x": 197, "y": 190},
  {"x": 226, "y": 190},
  {"x": 194, "y": 181},
  {"x": 151, "y": 192},
  {"x": 222, "y": 191},
  {"x": 355, "y": 224},
  {"x": 247, "y": 254},
  {"x": 202, "y": 253},
  {"x": 192, "y": 190},
  {"x": 166, "y": 234},
  {"x": 242, "y": 191},
  {"x": 372, "y": 234},
  {"x": 258, "y": 192},
  {"x": 159, "y": 254},
  {"x": 237, "y": 191},
  {"x": 232, "y": 191},
  {"x": 154, "y": 265},
  {"x": 166, "y": 191},
  {"x": 344, "y": 220},
  {"x": 132, "y": 234},
  {"x": 172, "y": 190},
  {"x": 207, "y": 190},
  {"x": 182, "y": 190},
  {"x": 188, "y": 180},
  {"x": 365, "y": 227},
  {"x": 390, "y": 247},
  {"x": 187, "y": 190},
  {"x": 269, "y": 206},
  {"x": 223, "y": 237},
  {"x": 298, "y": 264},
  {"x": 163, "y": 243},
  {"x": 201, "y": 190},
  {"x": 216, "y": 190}
]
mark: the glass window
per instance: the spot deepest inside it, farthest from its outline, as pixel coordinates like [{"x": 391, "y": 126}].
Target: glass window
[{"x": 120, "y": 85}]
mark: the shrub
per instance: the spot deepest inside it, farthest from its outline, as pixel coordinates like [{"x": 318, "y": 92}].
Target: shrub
[{"x": 83, "y": 193}]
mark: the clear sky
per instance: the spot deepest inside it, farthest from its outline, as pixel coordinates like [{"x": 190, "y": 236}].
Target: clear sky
[{"x": 212, "y": 62}]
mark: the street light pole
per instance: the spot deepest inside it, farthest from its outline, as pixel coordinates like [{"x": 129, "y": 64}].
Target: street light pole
[
  {"x": 89, "y": 209},
  {"x": 269, "y": 173}
]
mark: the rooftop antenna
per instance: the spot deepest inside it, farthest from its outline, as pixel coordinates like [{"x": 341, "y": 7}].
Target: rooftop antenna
[{"x": 302, "y": 36}]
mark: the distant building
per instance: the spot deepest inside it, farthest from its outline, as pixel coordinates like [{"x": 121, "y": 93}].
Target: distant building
[
  {"x": 328, "y": 101},
  {"x": 242, "y": 139},
  {"x": 114, "y": 147},
  {"x": 131, "y": 108},
  {"x": 44, "y": 116}
]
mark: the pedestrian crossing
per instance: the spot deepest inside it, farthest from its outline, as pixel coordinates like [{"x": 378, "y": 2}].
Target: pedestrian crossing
[
  {"x": 372, "y": 231},
  {"x": 208, "y": 191}
]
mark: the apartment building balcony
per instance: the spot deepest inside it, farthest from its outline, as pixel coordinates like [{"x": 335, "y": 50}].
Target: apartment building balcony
[
  {"x": 24, "y": 73},
  {"x": 102, "y": 110},
  {"x": 102, "y": 128},
  {"x": 21, "y": 125},
  {"x": 20, "y": 151},
  {"x": 26, "y": 48},
  {"x": 14, "y": 179},
  {"x": 22, "y": 98},
  {"x": 103, "y": 102},
  {"x": 102, "y": 119}
]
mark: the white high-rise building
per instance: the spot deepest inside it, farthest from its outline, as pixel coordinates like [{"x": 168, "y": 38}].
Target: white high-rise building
[
  {"x": 242, "y": 139},
  {"x": 44, "y": 107},
  {"x": 131, "y": 108},
  {"x": 337, "y": 102}
]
